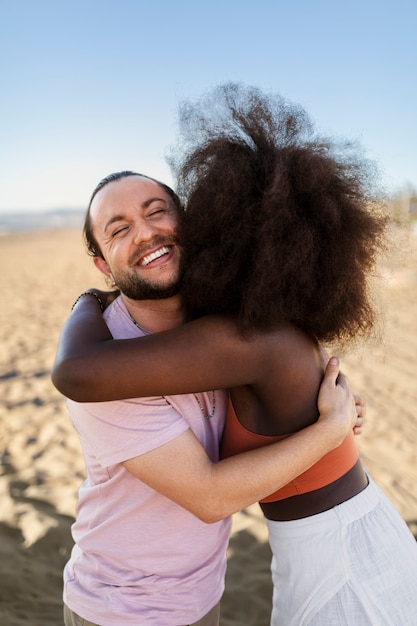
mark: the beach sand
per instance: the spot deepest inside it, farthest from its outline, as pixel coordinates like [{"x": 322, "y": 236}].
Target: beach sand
[{"x": 42, "y": 466}]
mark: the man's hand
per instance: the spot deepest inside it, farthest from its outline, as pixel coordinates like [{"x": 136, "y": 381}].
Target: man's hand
[
  {"x": 336, "y": 402},
  {"x": 360, "y": 414}
]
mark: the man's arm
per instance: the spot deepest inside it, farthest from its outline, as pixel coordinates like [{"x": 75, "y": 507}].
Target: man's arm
[{"x": 182, "y": 471}]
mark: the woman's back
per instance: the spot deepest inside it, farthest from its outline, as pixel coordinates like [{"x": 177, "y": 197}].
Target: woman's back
[{"x": 282, "y": 399}]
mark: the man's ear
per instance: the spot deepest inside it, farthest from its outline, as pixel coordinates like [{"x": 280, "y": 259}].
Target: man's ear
[{"x": 102, "y": 266}]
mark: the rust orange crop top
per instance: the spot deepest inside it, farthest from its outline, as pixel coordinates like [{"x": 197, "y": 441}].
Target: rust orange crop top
[{"x": 236, "y": 438}]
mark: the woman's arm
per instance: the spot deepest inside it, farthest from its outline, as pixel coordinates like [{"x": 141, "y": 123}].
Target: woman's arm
[{"x": 205, "y": 354}]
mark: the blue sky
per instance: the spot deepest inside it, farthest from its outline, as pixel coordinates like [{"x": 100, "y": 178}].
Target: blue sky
[{"x": 88, "y": 87}]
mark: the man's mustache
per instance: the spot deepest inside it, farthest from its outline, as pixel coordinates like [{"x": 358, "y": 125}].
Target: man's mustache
[{"x": 146, "y": 248}]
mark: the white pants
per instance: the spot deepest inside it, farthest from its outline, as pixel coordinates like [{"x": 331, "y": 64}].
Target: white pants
[{"x": 355, "y": 565}]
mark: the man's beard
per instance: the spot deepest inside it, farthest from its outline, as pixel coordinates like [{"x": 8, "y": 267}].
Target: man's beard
[{"x": 137, "y": 288}]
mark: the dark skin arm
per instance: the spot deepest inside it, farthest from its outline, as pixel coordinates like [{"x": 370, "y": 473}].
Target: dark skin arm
[
  {"x": 86, "y": 346},
  {"x": 209, "y": 353},
  {"x": 274, "y": 380},
  {"x": 202, "y": 355}
]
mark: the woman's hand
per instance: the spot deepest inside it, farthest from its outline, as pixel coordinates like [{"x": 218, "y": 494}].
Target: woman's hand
[{"x": 104, "y": 298}]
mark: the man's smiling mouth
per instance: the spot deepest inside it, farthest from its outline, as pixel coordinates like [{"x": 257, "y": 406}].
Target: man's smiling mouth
[{"x": 153, "y": 256}]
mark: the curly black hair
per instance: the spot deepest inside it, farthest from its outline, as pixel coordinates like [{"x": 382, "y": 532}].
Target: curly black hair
[{"x": 280, "y": 225}]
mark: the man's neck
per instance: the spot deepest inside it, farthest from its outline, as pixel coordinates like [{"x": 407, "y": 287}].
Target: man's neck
[{"x": 156, "y": 315}]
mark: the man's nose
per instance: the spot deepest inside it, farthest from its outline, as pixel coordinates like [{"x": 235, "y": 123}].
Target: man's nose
[{"x": 144, "y": 231}]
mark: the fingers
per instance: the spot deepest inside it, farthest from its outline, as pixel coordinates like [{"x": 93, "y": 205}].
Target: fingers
[
  {"x": 332, "y": 372},
  {"x": 360, "y": 407},
  {"x": 335, "y": 396},
  {"x": 358, "y": 427},
  {"x": 334, "y": 375},
  {"x": 106, "y": 297}
]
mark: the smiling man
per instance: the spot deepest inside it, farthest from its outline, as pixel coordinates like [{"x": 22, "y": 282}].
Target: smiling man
[
  {"x": 153, "y": 516},
  {"x": 135, "y": 219},
  {"x": 138, "y": 556}
]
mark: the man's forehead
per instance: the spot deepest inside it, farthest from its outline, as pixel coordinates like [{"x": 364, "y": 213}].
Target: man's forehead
[
  {"x": 130, "y": 191},
  {"x": 135, "y": 184}
]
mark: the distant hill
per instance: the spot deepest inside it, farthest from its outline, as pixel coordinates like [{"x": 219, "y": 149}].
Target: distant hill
[{"x": 41, "y": 220}]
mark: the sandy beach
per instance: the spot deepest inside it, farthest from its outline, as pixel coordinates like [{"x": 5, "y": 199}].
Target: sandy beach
[{"x": 41, "y": 462}]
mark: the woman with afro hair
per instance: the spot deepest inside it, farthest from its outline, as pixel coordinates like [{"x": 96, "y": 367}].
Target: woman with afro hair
[{"x": 280, "y": 236}]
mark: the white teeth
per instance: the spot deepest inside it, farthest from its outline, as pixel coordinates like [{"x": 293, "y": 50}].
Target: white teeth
[{"x": 154, "y": 255}]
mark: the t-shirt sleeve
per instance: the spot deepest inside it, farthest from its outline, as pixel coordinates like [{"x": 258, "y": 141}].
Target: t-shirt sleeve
[{"x": 116, "y": 431}]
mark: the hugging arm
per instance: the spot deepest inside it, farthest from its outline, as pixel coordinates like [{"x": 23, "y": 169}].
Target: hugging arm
[
  {"x": 204, "y": 354},
  {"x": 163, "y": 469},
  {"x": 264, "y": 469}
]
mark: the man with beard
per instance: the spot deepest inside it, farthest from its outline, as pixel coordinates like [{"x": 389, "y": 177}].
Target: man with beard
[{"x": 153, "y": 516}]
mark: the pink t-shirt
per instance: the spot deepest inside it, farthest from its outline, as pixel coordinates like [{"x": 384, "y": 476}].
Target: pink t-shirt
[{"x": 139, "y": 558}]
